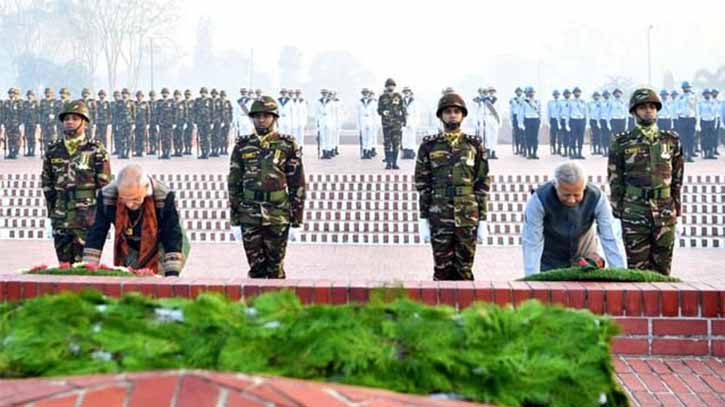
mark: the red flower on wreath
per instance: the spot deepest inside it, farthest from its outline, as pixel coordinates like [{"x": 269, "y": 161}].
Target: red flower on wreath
[
  {"x": 64, "y": 265},
  {"x": 39, "y": 267}
]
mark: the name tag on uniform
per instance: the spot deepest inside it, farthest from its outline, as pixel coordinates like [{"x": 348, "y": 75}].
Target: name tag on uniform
[
  {"x": 249, "y": 155},
  {"x": 631, "y": 150},
  {"x": 57, "y": 161},
  {"x": 437, "y": 154}
]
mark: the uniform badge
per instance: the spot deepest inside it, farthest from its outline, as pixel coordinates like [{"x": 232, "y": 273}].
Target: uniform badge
[
  {"x": 470, "y": 158},
  {"x": 396, "y": 100},
  {"x": 247, "y": 156},
  {"x": 666, "y": 153},
  {"x": 84, "y": 162}
]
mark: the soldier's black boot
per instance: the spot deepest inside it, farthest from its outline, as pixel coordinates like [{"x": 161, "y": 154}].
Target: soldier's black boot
[
  {"x": 493, "y": 155},
  {"x": 373, "y": 153},
  {"x": 388, "y": 161},
  {"x": 336, "y": 151},
  {"x": 395, "y": 160}
]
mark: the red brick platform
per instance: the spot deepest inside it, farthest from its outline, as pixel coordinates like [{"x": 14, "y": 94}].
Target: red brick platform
[{"x": 200, "y": 389}]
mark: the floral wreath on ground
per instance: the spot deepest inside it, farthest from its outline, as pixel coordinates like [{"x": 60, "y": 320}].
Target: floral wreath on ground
[{"x": 90, "y": 269}]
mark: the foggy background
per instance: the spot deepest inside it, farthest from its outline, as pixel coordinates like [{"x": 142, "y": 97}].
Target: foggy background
[{"x": 348, "y": 45}]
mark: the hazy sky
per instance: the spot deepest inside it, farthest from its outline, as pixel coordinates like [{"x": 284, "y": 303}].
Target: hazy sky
[{"x": 429, "y": 45}]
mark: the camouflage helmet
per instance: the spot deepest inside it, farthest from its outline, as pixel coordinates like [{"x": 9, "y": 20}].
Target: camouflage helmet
[
  {"x": 152, "y": 93},
  {"x": 214, "y": 92},
  {"x": 116, "y": 93},
  {"x": 203, "y": 90},
  {"x": 125, "y": 91},
  {"x": 48, "y": 91},
  {"x": 30, "y": 93},
  {"x": 165, "y": 91},
  {"x": 451, "y": 100},
  {"x": 644, "y": 95},
  {"x": 78, "y": 107},
  {"x": 187, "y": 92},
  {"x": 177, "y": 92},
  {"x": 11, "y": 91},
  {"x": 85, "y": 92},
  {"x": 101, "y": 92},
  {"x": 223, "y": 93},
  {"x": 389, "y": 82},
  {"x": 266, "y": 104},
  {"x": 64, "y": 91},
  {"x": 139, "y": 93}
]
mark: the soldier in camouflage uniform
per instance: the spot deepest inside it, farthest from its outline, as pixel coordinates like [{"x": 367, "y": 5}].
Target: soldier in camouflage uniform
[
  {"x": 125, "y": 122},
  {"x": 31, "y": 122},
  {"x": 216, "y": 123},
  {"x": 153, "y": 129},
  {"x": 227, "y": 118},
  {"x": 117, "y": 101},
  {"x": 646, "y": 169},
  {"x": 74, "y": 169},
  {"x": 392, "y": 112},
  {"x": 48, "y": 109},
  {"x": 180, "y": 115},
  {"x": 104, "y": 117},
  {"x": 166, "y": 114},
  {"x": 12, "y": 112},
  {"x": 188, "y": 122},
  {"x": 451, "y": 176},
  {"x": 91, "y": 104},
  {"x": 203, "y": 111},
  {"x": 266, "y": 186},
  {"x": 60, "y": 107},
  {"x": 143, "y": 118}
]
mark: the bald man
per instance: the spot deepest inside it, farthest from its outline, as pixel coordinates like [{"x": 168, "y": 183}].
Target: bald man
[{"x": 148, "y": 233}]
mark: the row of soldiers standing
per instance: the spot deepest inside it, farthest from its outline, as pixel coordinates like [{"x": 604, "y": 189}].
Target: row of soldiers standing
[{"x": 146, "y": 126}]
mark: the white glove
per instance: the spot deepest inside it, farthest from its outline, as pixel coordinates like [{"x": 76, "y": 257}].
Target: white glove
[
  {"x": 609, "y": 127},
  {"x": 48, "y": 229},
  {"x": 697, "y": 128},
  {"x": 237, "y": 231},
  {"x": 522, "y": 127},
  {"x": 424, "y": 230},
  {"x": 568, "y": 128},
  {"x": 482, "y": 232},
  {"x": 294, "y": 234}
]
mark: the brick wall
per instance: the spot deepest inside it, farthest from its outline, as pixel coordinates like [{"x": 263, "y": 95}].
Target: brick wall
[{"x": 656, "y": 319}]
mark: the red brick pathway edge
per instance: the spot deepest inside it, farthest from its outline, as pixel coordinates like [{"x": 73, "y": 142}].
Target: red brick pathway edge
[
  {"x": 199, "y": 389},
  {"x": 677, "y": 319}
]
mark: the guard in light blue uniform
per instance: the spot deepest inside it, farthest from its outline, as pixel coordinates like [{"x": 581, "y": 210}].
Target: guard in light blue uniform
[
  {"x": 594, "y": 114},
  {"x": 564, "y": 128},
  {"x": 514, "y": 112},
  {"x": 553, "y": 115},
  {"x": 577, "y": 123},
  {"x": 664, "y": 116},
  {"x": 530, "y": 122},
  {"x": 720, "y": 106},
  {"x": 686, "y": 112},
  {"x": 708, "y": 113},
  {"x": 674, "y": 97},
  {"x": 618, "y": 112},
  {"x": 605, "y": 127}
]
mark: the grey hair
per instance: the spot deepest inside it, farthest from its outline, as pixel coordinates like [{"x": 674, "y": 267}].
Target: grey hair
[
  {"x": 569, "y": 172},
  {"x": 132, "y": 175}
]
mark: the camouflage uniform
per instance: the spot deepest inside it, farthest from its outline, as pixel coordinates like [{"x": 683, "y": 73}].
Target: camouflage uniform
[
  {"x": 70, "y": 183},
  {"x": 153, "y": 123},
  {"x": 104, "y": 117},
  {"x": 646, "y": 169},
  {"x": 216, "y": 123},
  {"x": 451, "y": 177},
  {"x": 12, "y": 112},
  {"x": 180, "y": 115},
  {"x": 392, "y": 112},
  {"x": 227, "y": 112},
  {"x": 48, "y": 111},
  {"x": 114, "y": 119},
  {"x": 31, "y": 119},
  {"x": 166, "y": 115},
  {"x": 91, "y": 105},
  {"x": 203, "y": 111},
  {"x": 125, "y": 118},
  {"x": 143, "y": 118},
  {"x": 189, "y": 122},
  {"x": 266, "y": 186},
  {"x": 60, "y": 107}
]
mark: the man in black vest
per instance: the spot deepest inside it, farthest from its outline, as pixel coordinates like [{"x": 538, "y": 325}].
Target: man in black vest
[{"x": 558, "y": 224}]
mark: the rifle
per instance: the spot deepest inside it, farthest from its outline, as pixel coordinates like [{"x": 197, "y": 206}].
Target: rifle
[
  {"x": 197, "y": 142},
  {"x": 318, "y": 144},
  {"x": 361, "y": 144}
]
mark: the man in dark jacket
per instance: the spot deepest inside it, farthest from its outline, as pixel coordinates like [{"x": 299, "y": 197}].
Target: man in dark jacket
[{"x": 148, "y": 233}]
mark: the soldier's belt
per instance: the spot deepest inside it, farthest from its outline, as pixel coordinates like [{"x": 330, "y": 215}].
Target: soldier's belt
[
  {"x": 265, "y": 196},
  {"x": 648, "y": 193},
  {"x": 72, "y": 193},
  {"x": 452, "y": 191}
]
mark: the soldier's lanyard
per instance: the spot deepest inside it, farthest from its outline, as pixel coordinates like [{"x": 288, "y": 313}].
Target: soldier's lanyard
[
  {"x": 452, "y": 138},
  {"x": 72, "y": 144}
]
